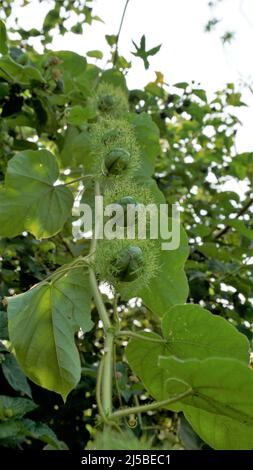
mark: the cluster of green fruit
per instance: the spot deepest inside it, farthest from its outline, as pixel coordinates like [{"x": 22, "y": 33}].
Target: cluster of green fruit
[{"x": 125, "y": 264}]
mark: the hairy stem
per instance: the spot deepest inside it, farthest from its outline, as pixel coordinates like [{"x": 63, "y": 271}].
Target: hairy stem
[
  {"x": 93, "y": 281},
  {"x": 107, "y": 374},
  {"x": 149, "y": 407},
  {"x": 105, "y": 370},
  {"x": 98, "y": 390},
  {"x": 132, "y": 334},
  {"x": 99, "y": 301},
  {"x": 78, "y": 179}
]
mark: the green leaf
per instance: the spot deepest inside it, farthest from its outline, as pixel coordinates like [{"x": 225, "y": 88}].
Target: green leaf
[
  {"x": 14, "y": 375},
  {"x": 212, "y": 251},
  {"x": 39, "y": 431},
  {"x": 96, "y": 54},
  {"x": 190, "y": 332},
  {"x": 51, "y": 19},
  {"x": 200, "y": 94},
  {"x": 77, "y": 149},
  {"x": 20, "y": 429},
  {"x": 2, "y": 347},
  {"x": 71, "y": 63},
  {"x": 9, "y": 69},
  {"x": 182, "y": 85},
  {"x": 193, "y": 332},
  {"x": 242, "y": 164},
  {"x": 31, "y": 201},
  {"x": 113, "y": 440},
  {"x": 139, "y": 353},
  {"x": 143, "y": 53},
  {"x": 169, "y": 286},
  {"x": 240, "y": 226},
  {"x": 11, "y": 429},
  {"x": 234, "y": 99},
  {"x": 15, "y": 407},
  {"x": 188, "y": 437},
  {"x": 42, "y": 325},
  {"x": 215, "y": 383},
  {"x": 3, "y": 325},
  {"x": 220, "y": 432},
  {"x": 114, "y": 77},
  {"x": 147, "y": 134},
  {"x": 154, "y": 50},
  {"x": 78, "y": 115},
  {"x": 74, "y": 72},
  {"x": 77, "y": 28},
  {"x": 3, "y": 38},
  {"x": 111, "y": 39},
  {"x": 155, "y": 90},
  {"x": 60, "y": 446}
]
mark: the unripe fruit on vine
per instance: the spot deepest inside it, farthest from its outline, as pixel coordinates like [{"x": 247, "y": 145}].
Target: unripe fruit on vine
[
  {"x": 23, "y": 59},
  {"x": 110, "y": 100},
  {"x": 129, "y": 264},
  {"x": 117, "y": 160},
  {"x": 114, "y": 148},
  {"x": 8, "y": 413},
  {"x": 110, "y": 136},
  {"x": 126, "y": 265},
  {"x": 129, "y": 194},
  {"x": 106, "y": 103},
  {"x": 125, "y": 202}
]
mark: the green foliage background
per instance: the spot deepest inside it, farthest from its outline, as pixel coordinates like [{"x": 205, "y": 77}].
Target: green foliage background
[{"x": 47, "y": 101}]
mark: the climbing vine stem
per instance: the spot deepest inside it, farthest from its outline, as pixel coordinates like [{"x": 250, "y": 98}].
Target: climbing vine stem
[
  {"x": 132, "y": 334},
  {"x": 105, "y": 374},
  {"x": 150, "y": 406}
]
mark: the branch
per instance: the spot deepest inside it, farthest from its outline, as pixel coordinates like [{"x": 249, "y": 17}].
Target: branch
[
  {"x": 241, "y": 212},
  {"x": 105, "y": 371},
  {"x": 107, "y": 374},
  {"x": 78, "y": 179},
  {"x": 118, "y": 35},
  {"x": 99, "y": 301},
  {"x": 132, "y": 334},
  {"x": 98, "y": 390},
  {"x": 93, "y": 281},
  {"x": 151, "y": 406}
]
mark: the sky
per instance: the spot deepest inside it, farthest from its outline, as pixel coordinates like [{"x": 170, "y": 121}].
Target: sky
[{"x": 187, "y": 53}]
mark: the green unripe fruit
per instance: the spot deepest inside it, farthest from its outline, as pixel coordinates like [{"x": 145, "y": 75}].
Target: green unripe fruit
[
  {"x": 106, "y": 103},
  {"x": 129, "y": 264},
  {"x": 23, "y": 59},
  {"x": 8, "y": 413},
  {"x": 124, "y": 202},
  {"x": 117, "y": 160},
  {"x": 110, "y": 100},
  {"x": 111, "y": 136}
]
